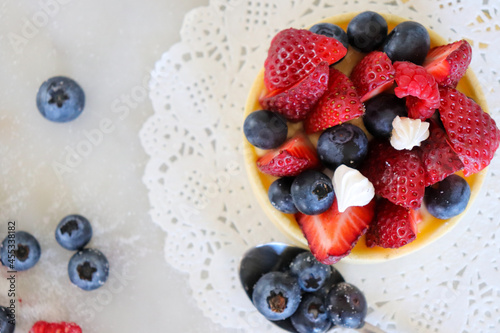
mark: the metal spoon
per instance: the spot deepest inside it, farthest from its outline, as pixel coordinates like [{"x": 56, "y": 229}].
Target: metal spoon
[{"x": 271, "y": 257}]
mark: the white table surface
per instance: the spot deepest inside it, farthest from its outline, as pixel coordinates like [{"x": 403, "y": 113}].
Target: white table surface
[{"x": 109, "y": 47}]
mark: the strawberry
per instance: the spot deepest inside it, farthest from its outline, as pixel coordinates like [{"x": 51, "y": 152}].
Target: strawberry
[
  {"x": 448, "y": 63},
  {"x": 393, "y": 226},
  {"x": 439, "y": 159},
  {"x": 331, "y": 235},
  {"x": 397, "y": 175},
  {"x": 472, "y": 133},
  {"x": 295, "y": 103},
  {"x": 413, "y": 80},
  {"x": 44, "y": 327},
  {"x": 290, "y": 159},
  {"x": 339, "y": 104},
  {"x": 295, "y": 53},
  {"x": 373, "y": 75}
]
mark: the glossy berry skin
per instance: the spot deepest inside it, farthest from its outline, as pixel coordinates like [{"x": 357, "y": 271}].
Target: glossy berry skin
[
  {"x": 346, "y": 305},
  {"x": 276, "y": 295},
  {"x": 448, "y": 198},
  {"x": 287, "y": 62},
  {"x": 339, "y": 104},
  {"x": 295, "y": 102},
  {"x": 60, "y": 99},
  {"x": 24, "y": 251},
  {"x": 312, "y": 192},
  {"x": 265, "y": 129},
  {"x": 311, "y": 316},
  {"x": 88, "y": 269},
  {"x": 343, "y": 144},
  {"x": 280, "y": 196},
  {"x": 408, "y": 41},
  {"x": 380, "y": 111},
  {"x": 472, "y": 133},
  {"x": 73, "y": 232},
  {"x": 393, "y": 226},
  {"x": 310, "y": 273},
  {"x": 367, "y": 31},
  {"x": 331, "y": 30},
  {"x": 6, "y": 326}
]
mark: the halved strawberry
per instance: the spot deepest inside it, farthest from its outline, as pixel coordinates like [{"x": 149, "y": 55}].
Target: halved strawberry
[
  {"x": 332, "y": 235},
  {"x": 373, "y": 75},
  {"x": 448, "y": 63},
  {"x": 472, "y": 133},
  {"x": 295, "y": 103},
  {"x": 438, "y": 157},
  {"x": 290, "y": 159},
  {"x": 413, "y": 80},
  {"x": 295, "y": 53},
  {"x": 339, "y": 104},
  {"x": 45, "y": 327},
  {"x": 397, "y": 175},
  {"x": 393, "y": 226}
]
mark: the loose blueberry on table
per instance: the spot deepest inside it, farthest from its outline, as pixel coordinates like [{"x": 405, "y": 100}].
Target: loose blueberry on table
[
  {"x": 7, "y": 324},
  {"x": 88, "y": 269},
  {"x": 424, "y": 130},
  {"x": 60, "y": 99},
  {"x": 20, "y": 251},
  {"x": 73, "y": 232}
]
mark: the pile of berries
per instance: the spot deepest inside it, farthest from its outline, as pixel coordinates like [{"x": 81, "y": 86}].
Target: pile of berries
[
  {"x": 88, "y": 268},
  {"x": 398, "y": 77},
  {"x": 310, "y": 296}
]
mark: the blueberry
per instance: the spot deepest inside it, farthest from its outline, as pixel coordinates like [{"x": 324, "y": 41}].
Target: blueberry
[
  {"x": 7, "y": 320},
  {"x": 280, "y": 196},
  {"x": 312, "y": 192},
  {"x": 311, "y": 316},
  {"x": 60, "y": 99},
  {"x": 88, "y": 269},
  {"x": 310, "y": 273},
  {"x": 342, "y": 144},
  {"x": 73, "y": 232},
  {"x": 367, "y": 31},
  {"x": 276, "y": 295},
  {"x": 448, "y": 197},
  {"x": 381, "y": 111},
  {"x": 346, "y": 305},
  {"x": 20, "y": 251},
  {"x": 332, "y": 31},
  {"x": 265, "y": 129},
  {"x": 408, "y": 41},
  {"x": 334, "y": 278}
]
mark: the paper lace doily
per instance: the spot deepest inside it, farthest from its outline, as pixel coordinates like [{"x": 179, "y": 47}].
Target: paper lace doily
[{"x": 200, "y": 196}]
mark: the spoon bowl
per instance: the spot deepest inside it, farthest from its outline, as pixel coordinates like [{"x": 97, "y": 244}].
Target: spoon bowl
[{"x": 269, "y": 257}]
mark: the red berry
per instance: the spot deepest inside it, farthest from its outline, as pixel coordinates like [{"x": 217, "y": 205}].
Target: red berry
[
  {"x": 413, "y": 80},
  {"x": 397, "y": 175},
  {"x": 373, "y": 75},
  {"x": 393, "y": 226},
  {"x": 295, "y": 102},
  {"x": 339, "y": 104},
  {"x": 332, "y": 235},
  {"x": 448, "y": 63},
  {"x": 290, "y": 159},
  {"x": 472, "y": 133},
  {"x": 438, "y": 157},
  {"x": 295, "y": 53},
  {"x": 45, "y": 327}
]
